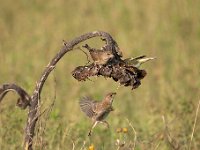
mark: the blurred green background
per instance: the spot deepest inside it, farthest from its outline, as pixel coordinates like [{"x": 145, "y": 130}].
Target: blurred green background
[{"x": 31, "y": 33}]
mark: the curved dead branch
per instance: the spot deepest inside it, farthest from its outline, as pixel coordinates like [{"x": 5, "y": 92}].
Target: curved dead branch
[
  {"x": 24, "y": 99},
  {"x": 32, "y": 115},
  {"x": 115, "y": 68}
]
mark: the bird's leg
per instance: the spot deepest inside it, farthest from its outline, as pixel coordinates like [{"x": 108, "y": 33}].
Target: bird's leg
[
  {"x": 93, "y": 125},
  {"x": 106, "y": 123}
]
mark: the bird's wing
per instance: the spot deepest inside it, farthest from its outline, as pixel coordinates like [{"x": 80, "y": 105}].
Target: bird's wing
[
  {"x": 87, "y": 105},
  {"x": 139, "y": 57}
]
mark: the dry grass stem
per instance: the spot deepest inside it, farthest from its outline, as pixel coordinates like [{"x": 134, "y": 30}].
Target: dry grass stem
[
  {"x": 195, "y": 121},
  {"x": 172, "y": 142},
  {"x": 135, "y": 133}
]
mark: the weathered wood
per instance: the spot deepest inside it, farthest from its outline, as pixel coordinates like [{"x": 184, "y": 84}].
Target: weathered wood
[
  {"x": 24, "y": 98},
  {"x": 32, "y": 115}
]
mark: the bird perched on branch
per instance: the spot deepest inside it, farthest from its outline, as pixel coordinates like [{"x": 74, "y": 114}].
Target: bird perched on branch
[
  {"x": 101, "y": 56},
  {"x": 137, "y": 61},
  {"x": 97, "y": 111}
]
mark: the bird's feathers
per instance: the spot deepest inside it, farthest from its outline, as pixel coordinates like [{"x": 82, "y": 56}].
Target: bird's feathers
[
  {"x": 87, "y": 105},
  {"x": 97, "y": 110},
  {"x": 102, "y": 114},
  {"x": 137, "y": 61},
  {"x": 135, "y": 58}
]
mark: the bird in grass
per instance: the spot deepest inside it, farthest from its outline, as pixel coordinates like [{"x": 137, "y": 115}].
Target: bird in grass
[
  {"x": 97, "y": 110},
  {"x": 100, "y": 57},
  {"x": 137, "y": 61}
]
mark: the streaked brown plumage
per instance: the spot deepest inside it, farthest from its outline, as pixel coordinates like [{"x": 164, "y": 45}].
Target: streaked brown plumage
[
  {"x": 97, "y": 111},
  {"x": 100, "y": 56}
]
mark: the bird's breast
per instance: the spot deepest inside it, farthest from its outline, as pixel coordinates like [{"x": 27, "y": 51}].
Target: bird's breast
[{"x": 103, "y": 115}]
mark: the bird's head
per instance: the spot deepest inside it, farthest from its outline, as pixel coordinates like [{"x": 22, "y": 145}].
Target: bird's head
[{"x": 109, "y": 97}]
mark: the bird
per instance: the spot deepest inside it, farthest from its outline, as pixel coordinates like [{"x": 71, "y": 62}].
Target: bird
[
  {"x": 100, "y": 56},
  {"x": 137, "y": 61},
  {"x": 97, "y": 111}
]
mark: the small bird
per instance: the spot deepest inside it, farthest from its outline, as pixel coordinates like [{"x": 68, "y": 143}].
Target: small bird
[
  {"x": 100, "y": 57},
  {"x": 137, "y": 61},
  {"x": 97, "y": 110}
]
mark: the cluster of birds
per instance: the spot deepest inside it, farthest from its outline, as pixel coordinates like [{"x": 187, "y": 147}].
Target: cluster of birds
[{"x": 97, "y": 111}]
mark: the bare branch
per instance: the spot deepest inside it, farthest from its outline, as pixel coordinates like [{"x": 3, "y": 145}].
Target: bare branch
[
  {"x": 24, "y": 99},
  {"x": 114, "y": 68},
  {"x": 32, "y": 117}
]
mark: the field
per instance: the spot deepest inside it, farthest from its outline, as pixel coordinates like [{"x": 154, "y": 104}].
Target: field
[{"x": 159, "y": 115}]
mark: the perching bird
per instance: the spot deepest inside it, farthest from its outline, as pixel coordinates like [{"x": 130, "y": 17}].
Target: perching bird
[
  {"x": 101, "y": 56},
  {"x": 137, "y": 61},
  {"x": 97, "y": 111}
]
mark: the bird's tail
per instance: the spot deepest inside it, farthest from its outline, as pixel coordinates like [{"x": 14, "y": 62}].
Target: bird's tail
[
  {"x": 137, "y": 61},
  {"x": 143, "y": 60}
]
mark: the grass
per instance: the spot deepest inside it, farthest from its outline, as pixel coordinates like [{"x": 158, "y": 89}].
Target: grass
[{"x": 32, "y": 33}]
